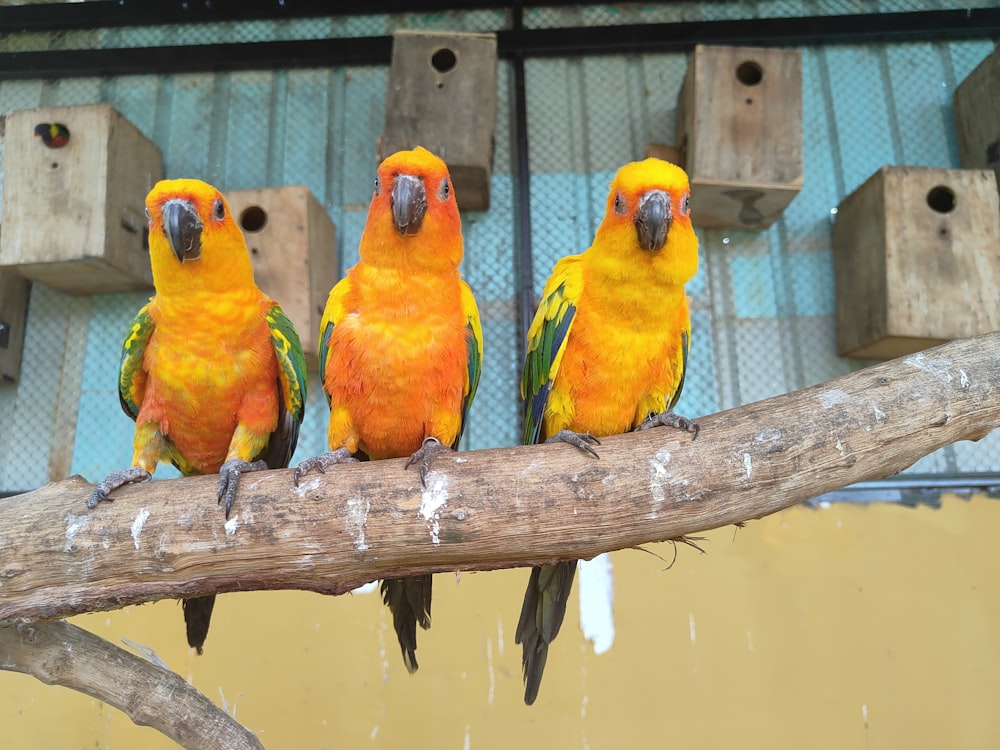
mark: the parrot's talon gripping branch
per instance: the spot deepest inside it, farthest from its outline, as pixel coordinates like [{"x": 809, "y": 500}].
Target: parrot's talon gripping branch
[
  {"x": 670, "y": 419},
  {"x": 425, "y": 454},
  {"x": 113, "y": 481},
  {"x": 582, "y": 440},
  {"x": 322, "y": 462},
  {"x": 229, "y": 478}
]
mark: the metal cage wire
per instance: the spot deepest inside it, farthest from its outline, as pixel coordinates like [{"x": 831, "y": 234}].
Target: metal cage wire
[{"x": 762, "y": 302}]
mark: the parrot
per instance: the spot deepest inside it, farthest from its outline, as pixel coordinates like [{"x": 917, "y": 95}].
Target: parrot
[
  {"x": 401, "y": 346},
  {"x": 607, "y": 352},
  {"x": 53, "y": 134},
  {"x": 212, "y": 370}
]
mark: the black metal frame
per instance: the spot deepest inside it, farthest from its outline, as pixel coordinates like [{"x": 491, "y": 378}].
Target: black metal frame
[{"x": 512, "y": 43}]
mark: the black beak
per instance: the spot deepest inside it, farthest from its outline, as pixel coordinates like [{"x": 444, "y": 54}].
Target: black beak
[
  {"x": 183, "y": 229},
  {"x": 409, "y": 203},
  {"x": 652, "y": 220}
]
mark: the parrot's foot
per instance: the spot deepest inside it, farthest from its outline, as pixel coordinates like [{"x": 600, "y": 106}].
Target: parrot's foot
[
  {"x": 113, "y": 481},
  {"x": 425, "y": 454},
  {"x": 670, "y": 419},
  {"x": 322, "y": 462},
  {"x": 229, "y": 478},
  {"x": 582, "y": 440}
]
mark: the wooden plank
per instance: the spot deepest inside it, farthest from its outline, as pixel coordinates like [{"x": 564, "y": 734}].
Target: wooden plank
[
  {"x": 916, "y": 263},
  {"x": 14, "y": 290},
  {"x": 740, "y": 126},
  {"x": 977, "y": 116},
  {"x": 429, "y": 74},
  {"x": 73, "y": 217}
]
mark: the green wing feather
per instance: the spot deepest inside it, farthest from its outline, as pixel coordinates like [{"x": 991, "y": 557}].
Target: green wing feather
[
  {"x": 685, "y": 350},
  {"x": 474, "y": 342},
  {"x": 131, "y": 375},
  {"x": 547, "y": 339},
  {"x": 332, "y": 314},
  {"x": 292, "y": 382}
]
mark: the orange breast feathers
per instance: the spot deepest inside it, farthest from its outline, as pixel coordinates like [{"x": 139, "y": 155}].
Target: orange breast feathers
[
  {"x": 615, "y": 371},
  {"x": 212, "y": 368},
  {"x": 398, "y": 362}
]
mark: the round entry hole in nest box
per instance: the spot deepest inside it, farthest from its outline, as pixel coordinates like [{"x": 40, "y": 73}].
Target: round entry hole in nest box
[
  {"x": 253, "y": 219},
  {"x": 443, "y": 61},
  {"x": 941, "y": 199},
  {"x": 749, "y": 73}
]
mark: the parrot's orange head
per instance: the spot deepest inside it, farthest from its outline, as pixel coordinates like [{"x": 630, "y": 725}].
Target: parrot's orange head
[
  {"x": 413, "y": 217},
  {"x": 194, "y": 242},
  {"x": 649, "y": 213}
]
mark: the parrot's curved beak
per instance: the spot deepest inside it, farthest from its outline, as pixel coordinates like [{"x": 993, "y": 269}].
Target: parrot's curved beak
[
  {"x": 409, "y": 203},
  {"x": 183, "y": 228},
  {"x": 652, "y": 220}
]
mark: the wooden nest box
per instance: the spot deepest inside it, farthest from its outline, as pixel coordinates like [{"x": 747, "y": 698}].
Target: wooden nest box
[
  {"x": 916, "y": 255},
  {"x": 977, "y": 116},
  {"x": 739, "y": 125},
  {"x": 74, "y": 216},
  {"x": 442, "y": 95},
  {"x": 292, "y": 245}
]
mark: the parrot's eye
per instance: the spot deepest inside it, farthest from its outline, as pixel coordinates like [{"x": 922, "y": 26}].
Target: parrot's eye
[
  {"x": 445, "y": 190},
  {"x": 148, "y": 216},
  {"x": 686, "y": 204},
  {"x": 219, "y": 209},
  {"x": 378, "y": 186},
  {"x": 620, "y": 206}
]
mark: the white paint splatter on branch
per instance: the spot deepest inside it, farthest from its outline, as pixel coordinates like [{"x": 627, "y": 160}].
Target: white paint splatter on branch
[
  {"x": 939, "y": 368},
  {"x": 231, "y": 525},
  {"x": 356, "y": 520},
  {"x": 433, "y": 497},
  {"x": 137, "y": 524},
  {"x": 832, "y": 397},
  {"x": 659, "y": 474},
  {"x": 747, "y": 465},
  {"x": 74, "y": 525}
]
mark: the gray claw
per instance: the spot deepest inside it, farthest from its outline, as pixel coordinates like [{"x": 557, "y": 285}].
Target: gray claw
[
  {"x": 582, "y": 440},
  {"x": 229, "y": 478},
  {"x": 425, "y": 454},
  {"x": 113, "y": 481},
  {"x": 322, "y": 462},
  {"x": 670, "y": 419}
]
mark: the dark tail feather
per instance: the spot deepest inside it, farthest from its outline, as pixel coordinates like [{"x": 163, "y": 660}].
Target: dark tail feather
[
  {"x": 197, "y": 616},
  {"x": 541, "y": 617},
  {"x": 409, "y": 600}
]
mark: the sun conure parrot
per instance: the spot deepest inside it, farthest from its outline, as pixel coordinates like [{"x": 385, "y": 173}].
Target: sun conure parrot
[
  {"x": 212, "y": 370},
  {"x": 401, "y": 345},
  {"x": 607, "y": 351}
]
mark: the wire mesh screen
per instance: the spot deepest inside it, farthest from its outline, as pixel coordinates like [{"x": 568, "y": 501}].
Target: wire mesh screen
[{"x": 762, "y": 303}]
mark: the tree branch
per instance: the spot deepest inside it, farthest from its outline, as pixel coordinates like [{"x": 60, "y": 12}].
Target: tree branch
[
  {"x": 58, "y": 653},
  {"x": 488, "y": 509}
]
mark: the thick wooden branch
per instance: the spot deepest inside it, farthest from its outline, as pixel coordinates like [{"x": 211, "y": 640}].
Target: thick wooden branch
[
  {"x": 58, "y": 653},
  {"x": 488, "y": 509}
]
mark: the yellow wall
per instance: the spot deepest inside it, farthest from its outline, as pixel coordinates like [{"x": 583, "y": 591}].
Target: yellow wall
[{"x": 787, "y": 634}]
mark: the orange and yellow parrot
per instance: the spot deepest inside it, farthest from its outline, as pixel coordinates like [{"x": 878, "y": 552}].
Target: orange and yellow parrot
[
  {"x": 401, "y": 345},
  {"x": 607, "y": 352},
  {"x": 212, "y": 370}
]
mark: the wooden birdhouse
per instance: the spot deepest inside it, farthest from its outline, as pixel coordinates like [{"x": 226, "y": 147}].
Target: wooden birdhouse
[
  {"x": 442, "y": 95},
  {"x": 292, "y": 245},
  {"x": 739, "y": 125},
  {"x": 916, "y": 260},
  {"x": 13, "y": 317},
  {"x": 74, "y": 214},
  {"x": 977, "y": 116}
]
